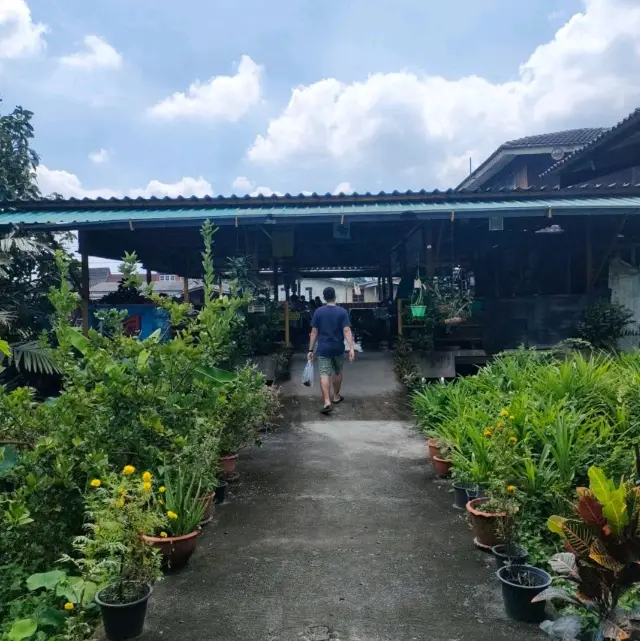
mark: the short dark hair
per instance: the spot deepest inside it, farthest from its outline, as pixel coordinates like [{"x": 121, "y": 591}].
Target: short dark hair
[{"x": 329, "y": 294}]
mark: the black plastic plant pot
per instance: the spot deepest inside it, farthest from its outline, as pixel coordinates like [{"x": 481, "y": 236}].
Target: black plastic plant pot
[
  {"x": 124, "y": 620},
  {"x": 509, "y": 554},
  {"x": 221, "y": 492},
  {"x": 463, "y": 493},
  {"x": 520, "y": 583}
]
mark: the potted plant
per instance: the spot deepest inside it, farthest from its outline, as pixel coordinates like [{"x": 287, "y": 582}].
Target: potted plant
[
  {"x": 465, "y": 488},
  {"x": 520, "y": 586},
  {"x": 180, "y": 503},
  {"x": 115, "y": 555},
  {"x": 443, "y": 466},
  {"x": 509, "y": 552},
  {"x": 417, "y": 305},
  {"x": 602, "y": 540},
  {"x": 490, "y": 515}
]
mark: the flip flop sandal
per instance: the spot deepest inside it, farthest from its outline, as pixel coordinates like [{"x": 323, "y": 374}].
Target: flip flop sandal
[
  {"x": 340, "y": 399},
  {"x": 326, "y": 410}
]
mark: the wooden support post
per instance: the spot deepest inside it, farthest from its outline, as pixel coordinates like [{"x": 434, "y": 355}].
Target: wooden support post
[
  {"x": 274, "y": 267},
  {"x": 185, "y": 289},
  {"x": 588, "y": 255},
  {"x": 400, "y": 323},
  {"x": 430, "y": 253},
  {"x": 286, "y": 323},
  {"x": 148, "y": 277},
  {"x": 84, "y": 284}
]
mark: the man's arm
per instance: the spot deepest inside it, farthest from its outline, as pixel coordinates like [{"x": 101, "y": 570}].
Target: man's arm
[
  {"x": 312, "y": 341},
  {"x": 349, "y": 338}
]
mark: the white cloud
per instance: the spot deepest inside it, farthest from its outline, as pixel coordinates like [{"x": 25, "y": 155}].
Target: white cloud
[
  {"x": 19, "y": 35},
  {"x": 343, "y": 188},
  {"x": 100, "y": 156},
  {"x": 243, "y": 186},
  {"x": 184, "y": 187},
  {"x": 70, "y": 186},
  {"x": 98, "y": 53},
  {"x": 399, "y": 122},
  {"x": 221, "y": 98}
]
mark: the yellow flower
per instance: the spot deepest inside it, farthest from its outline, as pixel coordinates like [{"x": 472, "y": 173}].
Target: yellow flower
[
  {"x": 512, "y": 418},
  {"x": 500, "y": 425},
  {"x": 172, "y": 515},
  {"x": 146, "y": 477},
  {"x": 95, "y": 483},
  {"x": 164, "y": 535},
  {"x": 511, "y": 489},
  {"x": 128, "y": 470},
  {"x": 162, "y": 489},
  {"x": 121, "y": 501},
  {"x": 68, "y": 605},
  {"x": 146, "y": 487},
  {"x": 513, "y": 440},
  {"x": 122, "y": 491},
  {"x": 504, "y": 412},
  {"x": 488, "y": 433}
]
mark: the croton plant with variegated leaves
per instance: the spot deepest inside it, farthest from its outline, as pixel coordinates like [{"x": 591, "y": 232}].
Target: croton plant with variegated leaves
[{"x": 602, "y": 560}]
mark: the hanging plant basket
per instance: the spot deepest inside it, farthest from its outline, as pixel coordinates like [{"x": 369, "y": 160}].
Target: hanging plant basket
[{"x": 418, "y": 311}]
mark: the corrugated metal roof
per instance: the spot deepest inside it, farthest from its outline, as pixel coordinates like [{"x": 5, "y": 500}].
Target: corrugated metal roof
[
  {"x": 555, "y": 139},
  {"x": 82, "y": 217},
  {"x": 630, "y": 120}
]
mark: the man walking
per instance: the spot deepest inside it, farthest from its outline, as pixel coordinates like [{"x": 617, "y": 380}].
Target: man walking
[{"x": 330, "y": 327}]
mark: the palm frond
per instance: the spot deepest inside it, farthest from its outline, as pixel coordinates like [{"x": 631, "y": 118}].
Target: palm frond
[
  {"x": 33, "y": 357},
  {"x": 23, "y": 244}
]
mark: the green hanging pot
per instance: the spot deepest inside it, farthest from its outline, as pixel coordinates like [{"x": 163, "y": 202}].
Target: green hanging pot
[{"x": 418, "y": 311}]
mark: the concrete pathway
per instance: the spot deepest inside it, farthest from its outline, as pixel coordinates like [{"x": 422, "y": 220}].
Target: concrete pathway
[{"x": 337, "y": 530}]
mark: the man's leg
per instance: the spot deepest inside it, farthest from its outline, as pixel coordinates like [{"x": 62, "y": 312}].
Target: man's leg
[
  {"x": 325, "y": 384},
  {"x": 337, "y": 362},
  {"x": 325, "y": 370}
]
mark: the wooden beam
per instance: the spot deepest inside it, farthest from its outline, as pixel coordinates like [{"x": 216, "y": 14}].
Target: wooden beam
[
  {"x": 588, "y": 254},
  {"x": 286, "y": 323},
  {"x": 185, "y": 289},
  {"x": 399, "y": 304},
  {"x": 84, "y": 283}
]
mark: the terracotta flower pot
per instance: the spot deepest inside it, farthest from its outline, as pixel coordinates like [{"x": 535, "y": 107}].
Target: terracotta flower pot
[
  {"x": 485, "y": 524},
  {"x": 443, "y": 467},
  {"x": 176, "y": 550},
  {"x": 228, "y": 464},
  {"x": 208, "y": 507},
  {"x": 434, "y": 447}
]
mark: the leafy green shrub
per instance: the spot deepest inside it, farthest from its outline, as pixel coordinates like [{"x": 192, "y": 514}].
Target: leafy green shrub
[{"x": 604, "y": 323}]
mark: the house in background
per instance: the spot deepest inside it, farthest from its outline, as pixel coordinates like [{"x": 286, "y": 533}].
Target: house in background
[
  {"x": 611, "y": 157},
  {"x": 519, "y": 163},
  {"x": 103, "y": 281},
  {"x": 347, "y": 291}
]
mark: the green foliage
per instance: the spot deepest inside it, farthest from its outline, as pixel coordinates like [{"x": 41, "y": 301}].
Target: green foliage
[
  {"x": 183, "y": 498},
  {"x": 151, "y": 404},
  {"x": 537, "y": 421},
  {"x": 602, "y": 540},
  {"x": 604, "y": 323},
  {"x": 112, "y": 552}
]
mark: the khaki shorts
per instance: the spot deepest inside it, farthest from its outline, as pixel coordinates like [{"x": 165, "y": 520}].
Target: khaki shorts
[{"x": 328, "y": 365}]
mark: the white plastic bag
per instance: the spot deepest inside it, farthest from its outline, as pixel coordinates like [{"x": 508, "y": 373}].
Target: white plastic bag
[{"x": 307, "y": 375}]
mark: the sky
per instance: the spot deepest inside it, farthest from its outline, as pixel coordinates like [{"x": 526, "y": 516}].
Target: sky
[{"x": 159, "y": 97}]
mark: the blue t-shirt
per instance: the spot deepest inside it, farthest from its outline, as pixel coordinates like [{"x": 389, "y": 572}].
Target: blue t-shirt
[{"x": 330, "y": 321}]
